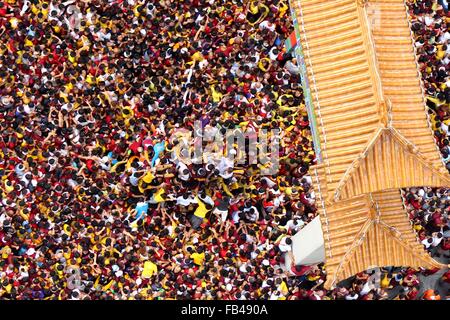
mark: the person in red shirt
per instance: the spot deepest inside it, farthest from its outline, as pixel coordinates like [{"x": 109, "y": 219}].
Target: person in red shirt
[{"x": 446, "y": 277}]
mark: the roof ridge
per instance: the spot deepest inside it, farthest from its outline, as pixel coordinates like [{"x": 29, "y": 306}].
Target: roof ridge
[
  {"x": 357, "y": 241},
  {"x": 370, "y": 143}
]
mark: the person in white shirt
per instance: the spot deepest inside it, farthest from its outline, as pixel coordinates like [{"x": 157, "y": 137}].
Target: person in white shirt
[
  {"x": 185, "y": 200},
  {"x": 206, "y": 199},
  {"x": 183, "y": 171},
  {"x": 365, "y": 289},
  {"x": 273, "y": 53},
  {"x": 437, "y": 238},
  {"x": 352, "y": 296},
  {"x": 427, "y": 242},
  {"x": 267, "y": 25},
  {"x": 285, "y": 244},
  {"x": 295, "y": 225}
]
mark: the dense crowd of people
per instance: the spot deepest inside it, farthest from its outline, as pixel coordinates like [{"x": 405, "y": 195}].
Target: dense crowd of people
[
  {"x": 96, "y": 200},
  {"x": 428, "y": 211},
  {"x": 431, "y": 32},
  {"x": 93, "y": 93}
]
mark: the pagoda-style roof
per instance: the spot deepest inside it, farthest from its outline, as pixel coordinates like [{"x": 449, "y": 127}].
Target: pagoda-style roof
[{"x": 373, "y": 129}]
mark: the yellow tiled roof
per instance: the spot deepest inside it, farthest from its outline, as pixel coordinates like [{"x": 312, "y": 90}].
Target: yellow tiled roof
[
  {"x": 363, "y": 76},
  {"x": 374, "y": 130},
  {"x": 367, "y": 231}
]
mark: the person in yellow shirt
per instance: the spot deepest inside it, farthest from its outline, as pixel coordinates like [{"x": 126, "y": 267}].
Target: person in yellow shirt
[
  {"x": 385, "y": 281},
  {"x": 145, "y": 181},
  {"x": 200, "y": 213},
  {"x": 201, "y": 210},
  {"x": 149, "y": 269},
  {"x": 257, "y": 12},
  {"x": 216, "y": 95},
  {"x": 198, "y": 258}
]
